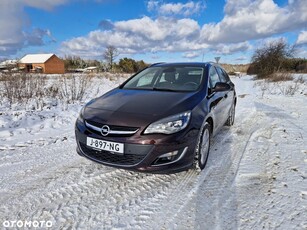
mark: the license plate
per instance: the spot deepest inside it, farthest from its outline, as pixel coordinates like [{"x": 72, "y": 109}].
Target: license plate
[{"x": 105, "y": 145}]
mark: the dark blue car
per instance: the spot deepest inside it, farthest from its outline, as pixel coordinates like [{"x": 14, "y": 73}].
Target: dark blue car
[{"x": 160, "y": 120}]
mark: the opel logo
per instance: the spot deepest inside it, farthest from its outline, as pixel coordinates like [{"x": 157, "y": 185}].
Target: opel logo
[{"x": 105, "y": 130}]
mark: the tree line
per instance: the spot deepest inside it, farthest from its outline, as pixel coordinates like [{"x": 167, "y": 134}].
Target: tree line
[
  {"x": 272, "y": 58},
  {"x": 108, "y": 63}
]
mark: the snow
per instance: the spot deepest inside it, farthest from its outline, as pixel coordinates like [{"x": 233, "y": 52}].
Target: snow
[
  {"x": 35, "y": 58},
  {"x": 255, "y": 176},
  {"x": 8, "y": 62}
]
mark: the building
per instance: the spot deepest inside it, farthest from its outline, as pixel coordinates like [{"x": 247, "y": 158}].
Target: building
[
  {"x": 42, "y": 63},
  {"x": 91, "y": 69}
]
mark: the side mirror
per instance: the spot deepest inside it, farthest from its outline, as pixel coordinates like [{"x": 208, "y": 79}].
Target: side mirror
[{"x": 221, "y": 86}]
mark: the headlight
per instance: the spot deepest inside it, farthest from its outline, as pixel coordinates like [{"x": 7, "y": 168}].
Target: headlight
[
  {"x": 81, "y": 114},
  {"x": 170, "y": 124},
  {"x": 81, "y": 118}
]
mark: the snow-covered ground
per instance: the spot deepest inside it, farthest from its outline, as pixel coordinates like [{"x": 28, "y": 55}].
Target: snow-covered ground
[{"x": 255, "y": 177}]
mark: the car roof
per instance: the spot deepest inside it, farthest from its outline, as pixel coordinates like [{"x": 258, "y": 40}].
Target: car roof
[{"x": 191, "y": 64}]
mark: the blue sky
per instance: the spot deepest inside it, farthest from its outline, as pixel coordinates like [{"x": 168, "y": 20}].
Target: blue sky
[{"x": 151, "y": 30}]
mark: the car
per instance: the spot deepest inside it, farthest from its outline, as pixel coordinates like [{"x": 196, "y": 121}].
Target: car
[{"x": 161, "y": 120}]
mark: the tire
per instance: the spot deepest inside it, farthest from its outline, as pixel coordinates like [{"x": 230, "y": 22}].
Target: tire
[
  {"x": 203, "y": 147},
  {"x": 231, "y": 119}
]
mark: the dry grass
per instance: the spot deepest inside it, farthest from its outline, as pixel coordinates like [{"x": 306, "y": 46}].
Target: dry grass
[
  {"x": 300, "y": 79},
  {"x": 21, "y": 88},
  {"x": 279, "y": 87},
  {"x": 72, "y": 88},
  {"x": 288, "y": 90},
  {"x": 277, "y": 77}
]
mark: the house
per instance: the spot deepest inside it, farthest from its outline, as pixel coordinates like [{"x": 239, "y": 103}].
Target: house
[{"x": 42, "y": 63}]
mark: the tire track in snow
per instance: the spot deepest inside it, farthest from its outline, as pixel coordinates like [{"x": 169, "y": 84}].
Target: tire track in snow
[
  {"x": 73, "y": 191},
  {"x": 212, "y": 188},
  {"x": 224, "y": 174},
  {"x": 77, "y": 193},
  {"x": 171, "y": 200},
  {"x": 84, "y": 194},
  {"x": 270, "y": 155}
]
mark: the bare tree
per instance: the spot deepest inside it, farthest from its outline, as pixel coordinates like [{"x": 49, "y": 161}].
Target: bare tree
[
  {"x": 270, "y": 58},
  {"x": 109, "y": 55}
]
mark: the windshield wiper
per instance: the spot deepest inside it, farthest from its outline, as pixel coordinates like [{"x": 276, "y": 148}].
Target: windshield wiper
[{"x": 164, "y": 89}]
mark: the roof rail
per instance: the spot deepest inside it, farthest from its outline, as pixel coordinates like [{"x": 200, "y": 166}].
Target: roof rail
[{"x": 157, "y": 63}]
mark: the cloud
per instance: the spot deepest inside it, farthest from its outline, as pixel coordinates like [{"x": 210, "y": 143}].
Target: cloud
[
  {"x": 106, "y": 25},
  {"x": 185, "y": 9},
  {"x": 152, "y": 5},
  {"x": 253, "y": 19},
  {"x": 271, "y": 41},
  {"x": 139, "y": 36},
  {"x": 155, "y": 57},
  {"x": 11, "y": 23},
  {"x": 174, "y": 30},
  {"x": 241, "y": 58},
  {"x": 301, "y": 52},
  {"x": 191, "y": 55},
  {"x": 302, "y": 38},
  {"x": 160, "y": 28},
  {"x": 36, "y": 37},
  {"x": 227, "y": 49},
  {"x": 14, "y": 24},
  {"x": 42, "y": 4}
]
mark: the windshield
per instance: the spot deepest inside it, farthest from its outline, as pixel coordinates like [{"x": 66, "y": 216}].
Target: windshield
[{"x": 167, "y": 79}]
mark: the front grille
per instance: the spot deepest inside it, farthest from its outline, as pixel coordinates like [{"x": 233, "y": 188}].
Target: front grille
[
  {"x": 113, "y": 128},
  {"x": 107, "y": 157}
]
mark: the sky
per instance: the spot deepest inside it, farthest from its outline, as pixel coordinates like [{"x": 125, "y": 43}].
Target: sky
[{"x": 151, "y": 30}]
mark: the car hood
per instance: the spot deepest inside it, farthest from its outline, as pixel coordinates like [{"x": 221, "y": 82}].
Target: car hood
[{"x": 136, "y": 105}]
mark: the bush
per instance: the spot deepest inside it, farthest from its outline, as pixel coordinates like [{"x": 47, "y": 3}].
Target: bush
[
  {"x": 288, "y": 90},
  {"x": 300, "y": 80},
  {"x": 19, "y": 88},
  {"x": 295, "y": 64},
  {"x": 128, "y": 65},
  {"x": 23, "y": 88},
  {"x": 72, "y": 88},
  {"x": 302, "y": 66},
  {"x": 270, "y": 58}
]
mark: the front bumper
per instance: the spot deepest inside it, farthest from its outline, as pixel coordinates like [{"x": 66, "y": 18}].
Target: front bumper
[{"x": 142, "y": 151}]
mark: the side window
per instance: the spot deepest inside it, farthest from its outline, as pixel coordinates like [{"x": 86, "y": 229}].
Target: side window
[
  {"x": 213, "y": 77},
  {"x": 226, "y": 75},
  {"x": 222, "y": 75}
]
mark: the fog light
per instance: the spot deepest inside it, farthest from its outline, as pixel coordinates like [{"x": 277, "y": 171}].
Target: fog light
[{"x": 169, "y": 155}]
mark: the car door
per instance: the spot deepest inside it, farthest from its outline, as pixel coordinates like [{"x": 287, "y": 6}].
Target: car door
[
  {"x": 229, "y": 95},
  {"x": 215, "y": 99}
]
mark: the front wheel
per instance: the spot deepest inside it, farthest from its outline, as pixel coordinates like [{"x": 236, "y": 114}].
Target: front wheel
[
  {"x": 203, "y": 146},
  {"x": 231, "y": 118}
]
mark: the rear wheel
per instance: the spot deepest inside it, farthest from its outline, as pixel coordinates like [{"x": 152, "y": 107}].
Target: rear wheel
[
  {"x": 231, "y": 118},
  {"x": 203, "y": 146}
]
